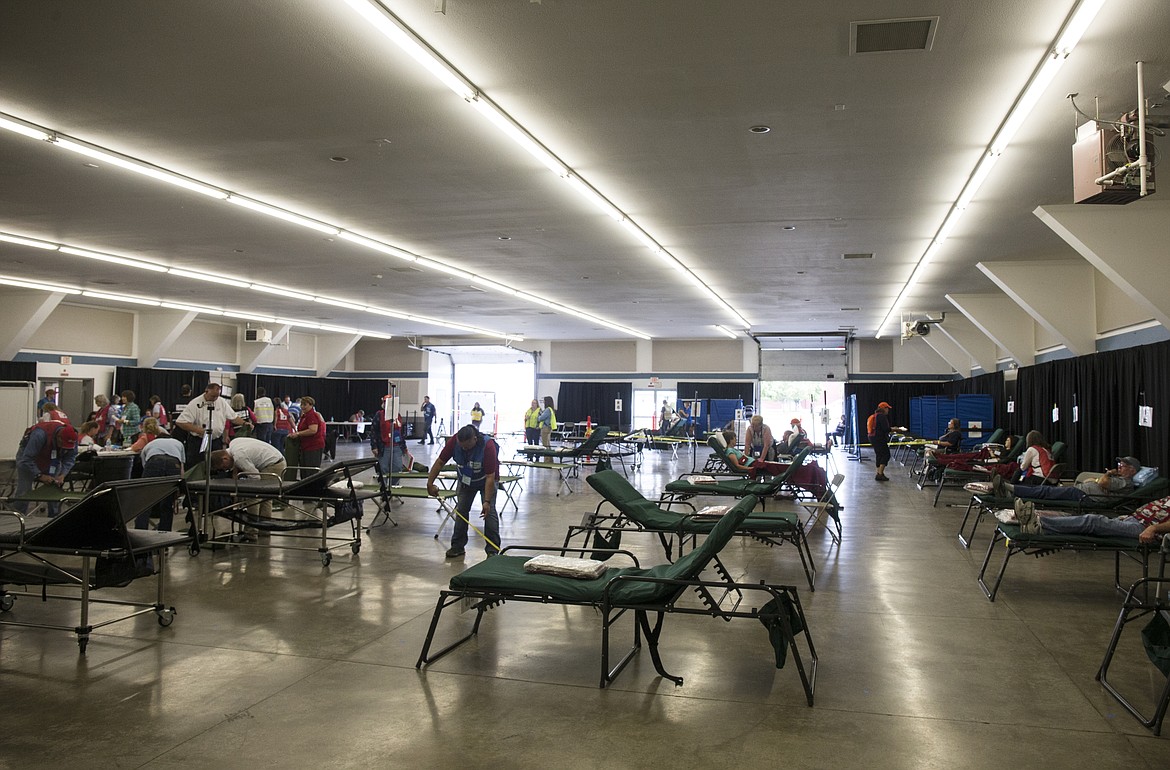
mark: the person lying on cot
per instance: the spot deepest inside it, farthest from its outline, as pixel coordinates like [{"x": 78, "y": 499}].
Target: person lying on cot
[
  {"x": 1114, "y": 481},
  {"x": 745, "y": 463},
  {"x": 1147, "y": 523}
]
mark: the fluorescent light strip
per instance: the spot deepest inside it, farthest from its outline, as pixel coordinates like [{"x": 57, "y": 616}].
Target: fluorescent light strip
[
  {"x": 121, "y": 298},
  {"x": 374, "y": 12},
  {"x": 727, "y": 332},
  {"x": 513, "y": 131},
  {"x": 437, "y": 66},
  {"x": 112, "y": 259},
  {"x": 489, "y": 284},
  {"x": 370, "y": 243},
  {"x": 28, "y": 242},
  {"x": 1074, "y": 27},
  {"x": 223, "y": 280},
  {"x": 594, "y": 197},
  {"x": 279, "y": 213},
  {"x": 139, "y": 167},
  {"x": 279, "y": 292},
  {"x": 404, "y": 38},
  {"x": 191, "y": 308},
  {"x": 339, "y": 303},
  {"x": 24, "y": 129},
  {"x": 23, "y": 284}
]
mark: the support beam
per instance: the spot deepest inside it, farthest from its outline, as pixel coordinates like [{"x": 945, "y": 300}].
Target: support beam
[
  {"x": 331, "y": 348},
  {"x": 950, "y": 352},
  {"x": 1122, "y": 243},
  {"x": 158, "y": 330},
  {"x": 252, "y": 354},
  {"x": 1058, "y": 294},
  {"x": 21, "y": 314},
  {"x": 971, "y": 339},
  {"x": 1001, "y": 319}
]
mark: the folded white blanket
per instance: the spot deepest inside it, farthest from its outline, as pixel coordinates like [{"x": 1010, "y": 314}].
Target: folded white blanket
[{"x": 565, "y": 566}]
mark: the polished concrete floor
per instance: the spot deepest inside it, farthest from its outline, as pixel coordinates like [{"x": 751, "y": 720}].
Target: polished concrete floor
[{"x": 276, "y": 661}]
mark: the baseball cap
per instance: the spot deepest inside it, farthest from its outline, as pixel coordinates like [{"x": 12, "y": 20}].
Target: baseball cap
[
  {"x": 795, "y": 421},
  {"x": 67, "y": 437},
  {"x": 1132, "y": 462},
  {"x": 884, "y": 405}
]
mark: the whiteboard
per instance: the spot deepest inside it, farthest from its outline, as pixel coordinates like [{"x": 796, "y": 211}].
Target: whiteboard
[{"x": 18, "y": 410}]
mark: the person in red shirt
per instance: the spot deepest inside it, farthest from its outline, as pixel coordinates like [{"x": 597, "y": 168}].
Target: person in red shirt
[{"x": 310, "y": 433}]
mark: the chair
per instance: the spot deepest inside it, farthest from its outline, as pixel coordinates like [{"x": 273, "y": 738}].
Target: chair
[
  {"x": 641, "y": 591},
  {"x": 1155, "y": 640},
  {"x": 771, "y": 528}
]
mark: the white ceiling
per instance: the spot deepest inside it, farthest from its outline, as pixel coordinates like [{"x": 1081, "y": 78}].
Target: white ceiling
[{"x": 651, "y": 102}]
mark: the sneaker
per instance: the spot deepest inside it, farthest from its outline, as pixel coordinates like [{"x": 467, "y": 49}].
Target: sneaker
[
  {"x": 454, "y": 553},
  {"x": 1026, "y": 517},
  {"x": 881, "y": 477},
  {"x": 422, "y": 442}
]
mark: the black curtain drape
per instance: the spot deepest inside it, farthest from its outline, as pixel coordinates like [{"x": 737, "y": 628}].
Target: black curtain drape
[
  {"x": 167, "y": 384},
  {"x": 577, "y": 401},
  {"x": 706, "y": 390},
  {"x": 896, "y": 394},
  {"x": 1105, "y": 389},
  {"x": 336, "y": 399},
  {"x": 19, "y": 371}
]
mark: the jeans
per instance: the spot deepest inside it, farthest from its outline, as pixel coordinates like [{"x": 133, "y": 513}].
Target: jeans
[
  {"x": 384, "y": 462},
  {"x": 427, "y": 433},
  {"x": 1049, "y": 493},
  {"x": 160, "y": 466},
  {"x": 263, "y": 432},
  {"x": 278, "y": 437},
  {"x": 491, "y": 523},
  {"x": 1092, "y": 524}
]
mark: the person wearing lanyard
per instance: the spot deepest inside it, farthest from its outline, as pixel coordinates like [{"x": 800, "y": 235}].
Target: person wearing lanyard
[
  {"x": 479, "y": 467},
  {"x": 310, "y": 434}
]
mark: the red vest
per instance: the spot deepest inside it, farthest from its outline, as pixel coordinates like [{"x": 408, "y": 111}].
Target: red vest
[{"x": 51, "y": 429}]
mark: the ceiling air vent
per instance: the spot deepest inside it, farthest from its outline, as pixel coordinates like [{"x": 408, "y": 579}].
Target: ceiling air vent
[
  {"x": 858, "y": 255},
  {"x": 891, "y": 35}
]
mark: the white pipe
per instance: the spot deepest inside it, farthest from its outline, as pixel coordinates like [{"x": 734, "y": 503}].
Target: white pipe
[
  {"x": 1117, "y": 172},
  {"x": 1142, "y": 160}
]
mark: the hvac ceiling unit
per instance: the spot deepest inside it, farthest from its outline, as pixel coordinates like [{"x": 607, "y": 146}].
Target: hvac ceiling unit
[
  {"x": 258, "y": 335},
  {"x": 1103, "y": 150}
]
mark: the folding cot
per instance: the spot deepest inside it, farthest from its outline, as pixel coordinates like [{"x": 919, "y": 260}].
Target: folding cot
[
  {"x": 90, "y": 546},
  {"x": 1040, "y": 545},
  {"x": 586, "y": 452},
  {"x": 773, "y": 528},
  {"x": 643, "y": 592},
  {"x": 795, "y": 479},
  {"x": 560, "y": 468},
  {"x": 328, "y": 497},
  {"x": 985, "y": 504},
  {"x": 1140, "y": 604}
]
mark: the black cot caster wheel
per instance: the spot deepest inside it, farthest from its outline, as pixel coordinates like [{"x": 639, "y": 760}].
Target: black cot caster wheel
[
  {"x": 6, "y": 602},
  {"x": 166, "y": 616},
  {"x": 355, "y": 547},
  {"x": 326, "y": 558}
]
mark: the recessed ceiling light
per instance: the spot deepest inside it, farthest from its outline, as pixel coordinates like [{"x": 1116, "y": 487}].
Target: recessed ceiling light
[
  {"x": 339, "y": 159},
  {"x": 238, "y": 251},
  {"x": 505, "y": 238},
  {"x": 760, "y": 129},
  {"x": 91, "y": 165},
  {"x": 789, "y": 227}
]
